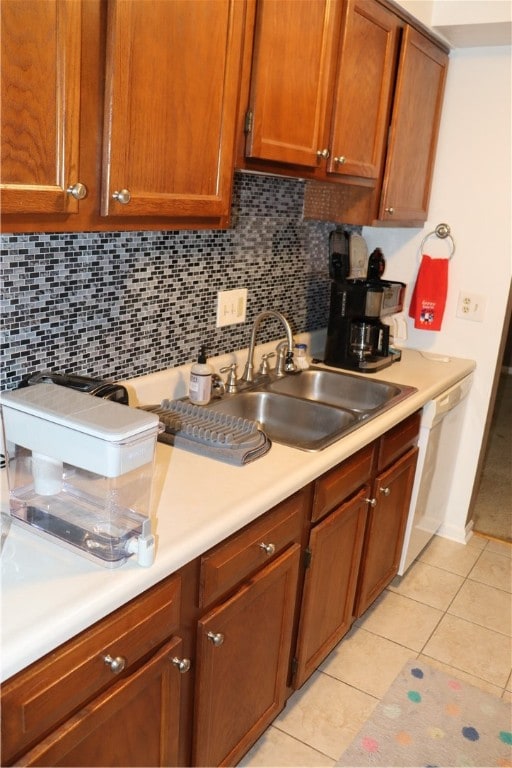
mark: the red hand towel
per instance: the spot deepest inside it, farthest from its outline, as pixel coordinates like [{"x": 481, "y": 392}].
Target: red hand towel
[{"x": 429, "y": 294}]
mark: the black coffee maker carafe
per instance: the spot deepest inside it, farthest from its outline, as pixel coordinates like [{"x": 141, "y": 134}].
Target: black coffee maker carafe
[{"x": 357, "y": 339}]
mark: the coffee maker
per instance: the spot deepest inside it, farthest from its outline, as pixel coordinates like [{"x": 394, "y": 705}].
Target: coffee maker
[{"x": 357, "y": 338}]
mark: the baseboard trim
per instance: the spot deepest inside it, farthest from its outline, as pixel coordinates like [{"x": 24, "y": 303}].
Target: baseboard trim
[{"x": 455, "y": 533}]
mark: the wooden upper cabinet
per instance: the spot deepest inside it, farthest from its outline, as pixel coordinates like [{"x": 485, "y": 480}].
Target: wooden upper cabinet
[
  {"x": 321, "y": 86},
  {"x": 172, "y": 75},
  {"x": 292, "y": 73},
  {"x": 364, "y": 88},
  {"x": 40, "y": 105},
  {"x": 414, "y": 130}
]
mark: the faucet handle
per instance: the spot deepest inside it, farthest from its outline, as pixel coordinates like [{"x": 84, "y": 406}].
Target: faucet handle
[
  {"x": 218, "y": 386},
  {"x": 264, "y": 366},
  {"x": 231, "y": 381},
  {"x": 285, "y": 362},
  {"x": 289, "y": 365}
]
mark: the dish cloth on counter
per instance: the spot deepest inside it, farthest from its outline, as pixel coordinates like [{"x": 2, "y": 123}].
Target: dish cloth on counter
[
  {"x": 429, "y": 295},
  {"x": 207, "y": 432}
]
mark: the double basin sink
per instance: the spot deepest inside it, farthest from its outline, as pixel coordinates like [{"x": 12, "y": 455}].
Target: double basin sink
[{"x": 313, "y": 408}]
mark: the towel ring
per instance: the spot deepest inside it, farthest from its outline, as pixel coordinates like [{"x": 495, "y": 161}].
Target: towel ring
[{"x": 442, "y": 231}]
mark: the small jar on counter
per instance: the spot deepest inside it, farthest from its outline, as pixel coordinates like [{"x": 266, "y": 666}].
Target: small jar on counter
[{"x": 301, "y": 356}]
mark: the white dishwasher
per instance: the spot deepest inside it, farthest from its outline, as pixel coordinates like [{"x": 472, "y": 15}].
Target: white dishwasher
[{"x": 440, "y": 430}]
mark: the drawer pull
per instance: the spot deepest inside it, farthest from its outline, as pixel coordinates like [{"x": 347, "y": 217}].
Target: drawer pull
[
  {"x": 116, "y": 665},
  {"x": 269, "y": 549},
  {"x": 217, "y": 638},
  {"x": 385, "y": 491},
  {"x": 371, "y": 502},
  {"x": 182, "y": 665}
]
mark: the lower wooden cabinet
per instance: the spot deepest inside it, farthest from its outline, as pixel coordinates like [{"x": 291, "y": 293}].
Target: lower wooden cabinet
[
  {"x": 327, "y": 611},
  {"x": 389, "y": 505},
  {"x": 79, "y": 685},
  {"x": 256, "y": 615},
  {"x": 362, "y": 505},
  {"x": 242, "y": 662},
  {"x": 136, "y": 722}
]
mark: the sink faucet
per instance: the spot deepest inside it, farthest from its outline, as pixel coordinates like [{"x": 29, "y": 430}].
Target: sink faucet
[{"x": 248, "y": 374}]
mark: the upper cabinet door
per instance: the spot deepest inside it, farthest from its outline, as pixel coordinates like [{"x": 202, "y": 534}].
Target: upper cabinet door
[
  {"x": 364, "y": 89},
  {"x": 414, "y": 130},
  {"x": 291, "y": 78},
  {"x": 40, "y": 106},
  {"x": 172, "y": 77}
]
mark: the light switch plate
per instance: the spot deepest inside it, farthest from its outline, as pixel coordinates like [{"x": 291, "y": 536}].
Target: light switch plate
[{"x": 231, "y": 307}]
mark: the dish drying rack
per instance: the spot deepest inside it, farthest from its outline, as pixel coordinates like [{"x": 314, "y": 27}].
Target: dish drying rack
[{"x": 202, "y": 430}]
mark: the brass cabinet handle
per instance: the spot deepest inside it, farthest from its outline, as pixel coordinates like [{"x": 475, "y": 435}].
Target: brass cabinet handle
[
  {"x": 78, "y": 191},
  {"x": 389, "y": 210},
  {"x": 323, "y": 153},
  {"x": 182, "y": 665},
  {"x": 340, "y": 160},
  {"x": 269, "y": 549},
  {"x": 116, "y": 664},
  {"x": 371, "y": 502},
  {"x": 217, "y": 638},
  {"x": 385, "y": 491},
  {"x": 122, "y": 196}
]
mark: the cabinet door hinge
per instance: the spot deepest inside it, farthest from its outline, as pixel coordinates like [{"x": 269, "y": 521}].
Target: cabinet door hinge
[
  {"x": 248, "y": 120},
  {"x": 307, "y": 557},
  {"x": 294, "y": 667}
]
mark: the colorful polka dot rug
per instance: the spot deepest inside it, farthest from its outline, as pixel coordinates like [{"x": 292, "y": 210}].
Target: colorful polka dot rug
[{"x": 428, "y": 718}]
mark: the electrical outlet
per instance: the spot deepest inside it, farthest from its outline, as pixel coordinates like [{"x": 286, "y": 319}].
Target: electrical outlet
[
  {"x": 231, "y": 307},
  {"x": 471, "y": 306}
]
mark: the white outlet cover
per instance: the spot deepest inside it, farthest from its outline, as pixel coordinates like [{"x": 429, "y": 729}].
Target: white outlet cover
[{"x": 471, "y": 306}]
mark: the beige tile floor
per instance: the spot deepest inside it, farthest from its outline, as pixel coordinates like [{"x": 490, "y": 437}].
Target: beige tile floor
[{"x": 453, "y": 608}]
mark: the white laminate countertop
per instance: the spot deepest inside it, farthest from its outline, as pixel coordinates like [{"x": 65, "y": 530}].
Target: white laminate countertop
[{"x": 50, "y": 594}]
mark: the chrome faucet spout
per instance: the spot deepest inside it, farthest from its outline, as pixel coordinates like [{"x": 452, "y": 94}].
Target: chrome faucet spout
[{"x": 248, "y": 374}]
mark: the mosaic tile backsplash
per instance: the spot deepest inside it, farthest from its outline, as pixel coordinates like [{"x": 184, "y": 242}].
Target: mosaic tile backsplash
[{"x": 123, "y": 304}]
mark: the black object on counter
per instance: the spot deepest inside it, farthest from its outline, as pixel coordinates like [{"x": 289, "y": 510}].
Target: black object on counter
[
  {"x": 376, "y": 265},
  {"x": 107, "y": 390}
]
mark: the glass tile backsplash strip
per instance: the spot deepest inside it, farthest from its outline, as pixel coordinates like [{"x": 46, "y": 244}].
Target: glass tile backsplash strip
[{"x": 124, "y": 304}]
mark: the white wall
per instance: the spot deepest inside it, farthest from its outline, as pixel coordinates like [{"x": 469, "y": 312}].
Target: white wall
[
  {"x": 472, "y": 193},
  {"x": 449, "y": 12}
]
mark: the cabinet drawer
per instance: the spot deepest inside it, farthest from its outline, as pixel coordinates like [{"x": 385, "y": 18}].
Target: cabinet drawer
[
  {"x": 338, "y": 484},
  {"x": 398, "y": 440},
  {"x": 229, "y": 563},
  {"x": 44, "y": 695}
]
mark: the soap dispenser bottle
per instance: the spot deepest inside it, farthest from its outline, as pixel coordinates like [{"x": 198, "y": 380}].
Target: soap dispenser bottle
[{"x": 200, "y": 387}]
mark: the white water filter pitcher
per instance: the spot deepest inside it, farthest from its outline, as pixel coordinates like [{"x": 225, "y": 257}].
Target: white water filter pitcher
[{"x": 80, "y": 471}]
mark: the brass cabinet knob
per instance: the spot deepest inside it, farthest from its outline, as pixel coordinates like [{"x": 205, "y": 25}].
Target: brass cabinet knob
[
  {"x": 269, "y": 549},
  {"x": 385, "y": 491},
  {"x": 182, "y": 665},
  {"x": 371, "y": 502},
  {"x": 122, "y": 196},
  {"x": 116, "y": 664},
  {"x": 340, "y": 160},
  {"x": 323, "y": 153},
  {"x": 78, "y": 191},
  {"x": 389, "y": 210}
]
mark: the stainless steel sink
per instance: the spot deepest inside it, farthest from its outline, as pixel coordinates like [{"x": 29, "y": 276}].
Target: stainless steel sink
[
  {"x": 342, "y": 390},
  {"x": 288, "y": 420}
]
